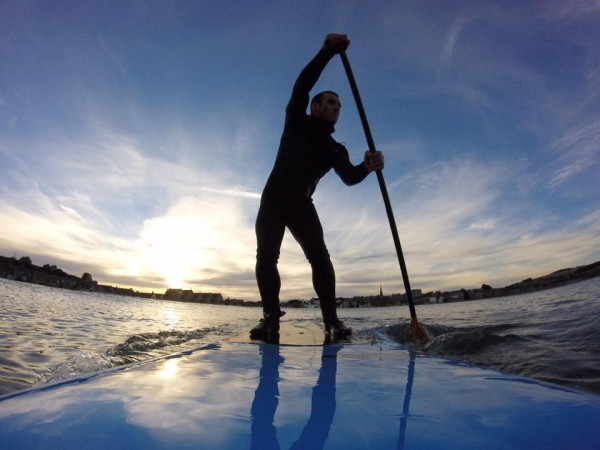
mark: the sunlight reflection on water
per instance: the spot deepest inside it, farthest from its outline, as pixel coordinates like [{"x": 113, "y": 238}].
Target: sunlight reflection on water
[{"x": 169, "y": 369}]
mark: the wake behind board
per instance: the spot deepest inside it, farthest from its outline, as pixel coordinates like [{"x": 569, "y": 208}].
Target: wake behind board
[{"x": 299, "y": 333}]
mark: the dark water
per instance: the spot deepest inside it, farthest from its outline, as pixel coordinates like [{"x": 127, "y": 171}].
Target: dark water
[{"x": 49, "y": 335}]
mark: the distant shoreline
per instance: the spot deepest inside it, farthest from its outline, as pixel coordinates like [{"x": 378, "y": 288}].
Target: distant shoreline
[{"x": 24, "y": 270}]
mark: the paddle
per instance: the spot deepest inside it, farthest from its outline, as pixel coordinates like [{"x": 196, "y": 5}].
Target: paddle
[{"x": 417, "y": 333}]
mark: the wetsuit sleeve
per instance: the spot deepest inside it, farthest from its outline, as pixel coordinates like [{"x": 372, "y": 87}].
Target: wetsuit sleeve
[
  {"x": 305, "y": 82},
  {"x": 348, "y": 172}
]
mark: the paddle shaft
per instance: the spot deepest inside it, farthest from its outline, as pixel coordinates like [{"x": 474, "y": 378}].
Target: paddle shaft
[{"x": 380, "y": 179}]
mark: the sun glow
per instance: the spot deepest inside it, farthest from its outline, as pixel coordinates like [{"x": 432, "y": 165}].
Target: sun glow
[{"x": 191, "y": 241}]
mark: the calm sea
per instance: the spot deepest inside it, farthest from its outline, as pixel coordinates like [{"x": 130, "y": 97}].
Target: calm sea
[{"x": 49, "y": 335}]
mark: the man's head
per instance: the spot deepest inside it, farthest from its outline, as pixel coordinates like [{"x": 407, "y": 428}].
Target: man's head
[{"x": 326, "y": 106}]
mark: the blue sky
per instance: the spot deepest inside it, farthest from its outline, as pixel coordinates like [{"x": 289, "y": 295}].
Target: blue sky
[{"x": 136, "y": 137}]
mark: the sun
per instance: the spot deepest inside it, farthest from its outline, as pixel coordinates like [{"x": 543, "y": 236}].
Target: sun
[
  {"x": 134, "y": 267},
  {"x": 172, "y": 248},
  {"x": 172, "y": 262}
]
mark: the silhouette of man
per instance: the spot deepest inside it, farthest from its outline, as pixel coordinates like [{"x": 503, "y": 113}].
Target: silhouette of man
[{"x": 307, "y": 151}]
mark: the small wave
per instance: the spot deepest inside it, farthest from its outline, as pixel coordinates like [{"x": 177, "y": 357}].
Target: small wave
[
  {"x": 463, "y": 343},
  {"x": 136, "y": 348},
  {"x": 497, "y": 346},
  {"x": 143, "y": 345},
  {"x": 526, "y": 351},
  {"x": 75, "y": 366},
  {"x": 451, "y": 341}
]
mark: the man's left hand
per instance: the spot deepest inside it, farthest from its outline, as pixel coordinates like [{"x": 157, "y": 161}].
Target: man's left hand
[{"x": 374, "y": 160}]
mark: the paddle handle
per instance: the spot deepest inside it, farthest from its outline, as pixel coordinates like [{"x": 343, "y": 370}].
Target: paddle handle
[{"x": 382, "y": 186}]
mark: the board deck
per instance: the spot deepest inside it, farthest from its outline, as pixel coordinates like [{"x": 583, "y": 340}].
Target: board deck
[
  {"x": 232, "y": 395},
  {"x": 299, "y": 333}
]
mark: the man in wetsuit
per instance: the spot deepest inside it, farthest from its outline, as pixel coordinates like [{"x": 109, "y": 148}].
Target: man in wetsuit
[{"x": 306, "y": 153}]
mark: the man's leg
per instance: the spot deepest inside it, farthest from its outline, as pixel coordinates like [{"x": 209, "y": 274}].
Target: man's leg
[
  {"x": 270, "y": 228},
  {"x": 305, "y": 226}
]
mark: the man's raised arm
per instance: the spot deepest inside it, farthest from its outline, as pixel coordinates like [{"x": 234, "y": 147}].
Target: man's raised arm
[{"x": 334, "y": 43}]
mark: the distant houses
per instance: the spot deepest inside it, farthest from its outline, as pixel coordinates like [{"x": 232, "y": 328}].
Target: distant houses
[
  {"x": 378, "y": 300},
  {"x": 23, "y": 269},
  {"x": 187, "y": 295}
]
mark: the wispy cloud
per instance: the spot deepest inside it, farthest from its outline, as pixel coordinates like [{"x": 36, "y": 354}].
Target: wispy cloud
[
  {"x": 572, "y": 10},
  {"x": 455, "y": 227},
  {"x": 578, "y": 153},
  {"x": 450, "y": 42}
]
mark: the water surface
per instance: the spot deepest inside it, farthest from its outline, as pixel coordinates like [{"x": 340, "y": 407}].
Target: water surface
[{"x": 49, "y": 334}]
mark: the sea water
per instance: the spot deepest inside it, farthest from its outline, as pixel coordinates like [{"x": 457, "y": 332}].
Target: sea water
[{"x": 49, "y": 335}]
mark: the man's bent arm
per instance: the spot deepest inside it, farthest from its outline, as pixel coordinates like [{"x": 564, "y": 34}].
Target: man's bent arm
[{"x": 348, "y": 172}]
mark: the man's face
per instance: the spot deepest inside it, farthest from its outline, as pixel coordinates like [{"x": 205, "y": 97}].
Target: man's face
[{"x": 328, "y": 110}]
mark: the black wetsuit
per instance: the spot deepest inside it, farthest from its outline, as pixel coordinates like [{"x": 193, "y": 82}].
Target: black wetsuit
[{"x": 306, "y": 153}]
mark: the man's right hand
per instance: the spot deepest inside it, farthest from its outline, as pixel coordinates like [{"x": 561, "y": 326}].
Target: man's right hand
[
  {"x": 336, "y": 43},
  {"x": 374, "y": 161}
]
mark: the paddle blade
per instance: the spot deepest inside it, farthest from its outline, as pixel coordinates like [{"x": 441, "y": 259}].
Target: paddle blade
[{"x": 417, "y": 332}]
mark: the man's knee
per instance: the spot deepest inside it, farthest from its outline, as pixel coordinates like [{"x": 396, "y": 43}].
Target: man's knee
[
  {"x": 267, "y": 257},
  {"x": 319, "y": 257}
]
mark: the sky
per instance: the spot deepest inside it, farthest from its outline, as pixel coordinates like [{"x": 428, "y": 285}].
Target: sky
[{"x": 136, "y": 138}]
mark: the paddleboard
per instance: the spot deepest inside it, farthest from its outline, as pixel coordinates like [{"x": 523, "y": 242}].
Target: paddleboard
[
  {"x": 234, "y": 395},
  {"x": 300, "y": 333}
]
